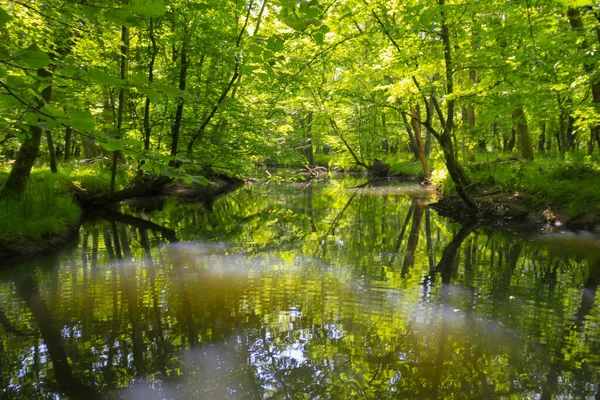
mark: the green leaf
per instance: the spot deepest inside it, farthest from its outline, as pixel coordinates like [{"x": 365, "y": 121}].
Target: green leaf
[
  {"x": 576, "y": 3},
  {"x": 146, "y": 167},
  {"x": 32, "y": 118},
  {"x": 168, "y": 90},
  {"x": 275, "y": 43},
  {"x": 118, "y": 16},
  {"x": 148, "y": 8},
  {"x": 152, "y": 94},
  {"x": 33, "y": 57},
  {"x": 4, "y": 17},
  {"x": 80, "y": 120},
  {"x": 47, "y": 125},
  {"x": 139, "y": 80},
  {"x": 198, "y": 179},
  {"x": 53, "y": 111},
  {"x": 103, "y": 78},
  {"x": 112, "y": 145},
  {"x": 319, "y": 38}
]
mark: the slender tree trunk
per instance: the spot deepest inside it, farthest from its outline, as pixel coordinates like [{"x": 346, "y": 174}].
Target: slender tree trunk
[
  {"x": 577, "y": 24},
  {"x": 147, "y": 127},
  {"x": 525, "y": 145},
  {"x": 68, "y": 133},
  {"x": 457, "y": 173},
  {"x": 122, "y": 93},
  {"x": 416, "y": 125},
  {"x": 411, "y": 137},
  {"x": 542, "y": 139},
  {"x": 385, "y": 143},
  {"x": 51, "y": 152},
  {"x": 183, "y": 66},
  {"x": 309, "y": 138}
]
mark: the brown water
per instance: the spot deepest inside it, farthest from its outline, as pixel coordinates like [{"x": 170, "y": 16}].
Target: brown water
[{"x": 303, "y": 292}]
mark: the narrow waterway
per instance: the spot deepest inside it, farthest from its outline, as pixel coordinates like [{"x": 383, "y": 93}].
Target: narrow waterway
[{"x": 296, "y": 291}]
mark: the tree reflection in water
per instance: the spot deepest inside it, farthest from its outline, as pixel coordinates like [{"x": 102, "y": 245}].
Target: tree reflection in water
[{"x": 301, "y": 291}]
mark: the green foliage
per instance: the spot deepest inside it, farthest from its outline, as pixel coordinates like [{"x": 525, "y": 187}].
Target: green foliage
[
  {"x": 46, "y": 208},
  {"x": 569, "y": 187}
]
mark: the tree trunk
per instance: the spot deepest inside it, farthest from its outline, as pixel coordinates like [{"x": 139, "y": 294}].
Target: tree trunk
[
  {"x": 525, "y": 145},
  {"x": 68, "y": 133},
  {"x": 411, "y": 137},
  {"x": 175, "y": 129},
  {"x": 19, "y": 174},
  {"x": 122, "y": 92},
  {"x": 416, "y": 125},
  {"x": 147, "y": 128},
  {"x": 51, "y": 152},
  {"x": 309, "y": 147},
  {"x": 542, "y": 139},
  {"x": 385, "y": 144}
]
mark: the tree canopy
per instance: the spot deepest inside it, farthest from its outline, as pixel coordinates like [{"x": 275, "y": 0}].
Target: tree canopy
[{"x": 182, "y": 88}]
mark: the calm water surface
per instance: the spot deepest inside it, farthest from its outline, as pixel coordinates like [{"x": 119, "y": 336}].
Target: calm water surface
[{"x": 300, "y": 291}]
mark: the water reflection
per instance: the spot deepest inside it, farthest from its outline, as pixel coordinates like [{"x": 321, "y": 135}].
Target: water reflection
[{"x": 301, "y": 291}]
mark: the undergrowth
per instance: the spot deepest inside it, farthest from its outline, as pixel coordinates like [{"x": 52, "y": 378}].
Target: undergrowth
[
  {"x": 48, "y": 206},
  {"x": 44, "y": 208},
  {"x": 570, "y": 186}
]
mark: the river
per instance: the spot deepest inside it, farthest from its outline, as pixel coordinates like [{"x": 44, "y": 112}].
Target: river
[{"x": 303, "y": 291}]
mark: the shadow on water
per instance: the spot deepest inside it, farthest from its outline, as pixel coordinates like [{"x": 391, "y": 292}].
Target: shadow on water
[{"x": 301, "y": 291}]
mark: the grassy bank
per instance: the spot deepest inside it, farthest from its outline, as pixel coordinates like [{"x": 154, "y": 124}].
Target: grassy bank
[
  {"x": 48, "y": 206},
  {"x": 568, "y": 189}
]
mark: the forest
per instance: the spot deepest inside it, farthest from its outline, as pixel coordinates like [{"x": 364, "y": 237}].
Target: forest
[
  {"x": 472, "y": 97},
  {"x": 251, "y": 199}
]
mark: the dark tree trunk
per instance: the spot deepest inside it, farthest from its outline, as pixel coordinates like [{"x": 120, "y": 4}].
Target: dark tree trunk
[
  {"x": 176, "y": 127},
  {"x": 68, "y": 133},
  {"x": 542, "y": 139},
  {"x": 51, "y": 152},
  {"x": 147, "y": 127},
  {"x": 122, "y": 93},
  {"x": 19, "y": 174}
]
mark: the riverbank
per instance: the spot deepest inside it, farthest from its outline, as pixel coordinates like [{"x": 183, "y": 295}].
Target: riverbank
[
  {"x": 510, "y": 191},
  {"x": 51, "y": 212}
]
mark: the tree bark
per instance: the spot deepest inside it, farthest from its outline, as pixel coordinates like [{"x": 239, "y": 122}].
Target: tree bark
[
  {"x": 183, "y": 66},
  {"x": 68, "y": 133},
  {"x": 525, "y": 145},
  {"x": 51, "y": 152},
  {"x": 19, "y": 174},
  {"x": 147, "y": 127},
  {"x": 122, "y": 93},
  {"x": 416, "y": 125}
]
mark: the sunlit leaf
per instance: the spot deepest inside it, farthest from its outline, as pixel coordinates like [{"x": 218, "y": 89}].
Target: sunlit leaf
[
  {"x": 33, "y": 57},
  {"x": 4, "y": 17},
  {"x": 148, "y": 8}
]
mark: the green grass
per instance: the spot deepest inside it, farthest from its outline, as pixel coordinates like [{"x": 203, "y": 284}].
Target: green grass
[
  {"x": 570, "y": 186},
  {"x": 45, "y": 208}
]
